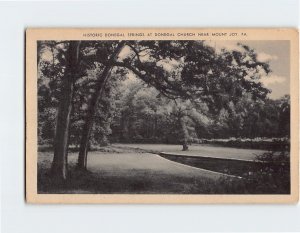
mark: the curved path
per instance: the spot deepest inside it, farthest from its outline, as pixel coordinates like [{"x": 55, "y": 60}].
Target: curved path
[
  {"x": 200, "y": 150},
  {"x": 147, "y": 173},
  {"x": 134, "y": 172},
  {"x": 131, "y": 164}
]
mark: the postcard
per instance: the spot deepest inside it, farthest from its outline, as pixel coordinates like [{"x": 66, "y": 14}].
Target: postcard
[{"x": 160, "y": 115}]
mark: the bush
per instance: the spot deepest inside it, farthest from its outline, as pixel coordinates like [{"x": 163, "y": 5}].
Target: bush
[
  {"x": 271, "y": 177},
  {"x": 257, "y": 143}
]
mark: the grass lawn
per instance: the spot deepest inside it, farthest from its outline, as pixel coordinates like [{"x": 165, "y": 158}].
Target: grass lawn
[
  {"x": 200, "y": 150},
  {"x": 130, "y": 169},
  {"x": 127, "y": 173}
]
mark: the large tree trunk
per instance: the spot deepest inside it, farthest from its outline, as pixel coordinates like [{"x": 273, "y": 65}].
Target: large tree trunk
[
  {"x": 60, "y": 160},
  {"x": 185, "y": 134},
  {"x": 89, "y": 119}
]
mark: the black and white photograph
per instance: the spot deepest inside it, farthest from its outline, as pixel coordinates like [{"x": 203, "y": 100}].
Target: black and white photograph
[{"x": 163, "y": 116}]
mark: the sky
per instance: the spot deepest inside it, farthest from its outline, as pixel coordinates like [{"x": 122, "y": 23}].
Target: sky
[{"x": 276, "y": 53}]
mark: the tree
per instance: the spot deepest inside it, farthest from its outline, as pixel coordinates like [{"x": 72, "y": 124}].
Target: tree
[
  {"x": 188, "y": 116},
  {"x": 125, "y": 123},
  {"x": 59, "y": 164},
  {"x": 284, "y": 116},
  {"x": 89, "y": 119},
  {"x": 50, "y": 74}
]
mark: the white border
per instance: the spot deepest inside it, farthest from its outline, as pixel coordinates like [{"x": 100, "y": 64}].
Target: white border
[{"x": 22, "y": 218}]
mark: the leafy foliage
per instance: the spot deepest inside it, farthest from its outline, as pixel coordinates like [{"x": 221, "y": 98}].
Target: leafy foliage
[{"x": 213, "y": 94}]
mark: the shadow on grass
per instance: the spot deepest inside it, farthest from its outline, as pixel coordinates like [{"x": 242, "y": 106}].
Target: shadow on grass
[
  {"x": 269, "y": 173},
  {"x": 88, "y": 182},
  {"x": 92, "y": 183},
  {"x": 271, "y": 178}
]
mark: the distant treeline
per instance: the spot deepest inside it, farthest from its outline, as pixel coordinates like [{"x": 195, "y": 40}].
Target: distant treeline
[
  {"x": 279, "y": 144},
  {"x": 135, "y": 114}
]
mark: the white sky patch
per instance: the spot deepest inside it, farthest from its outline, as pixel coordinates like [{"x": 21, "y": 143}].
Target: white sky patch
[
  {"x": 131, "y": 76},
  {"x": 125, "y": 52},
  {"x": 47, "y": 55},
  {"x": 264, "y": 57},
  {"x": 168, "y": 65},
  {"x": 256, "y": 75},
  {"x": 228, "y": 45},
  {"x": 272, "y": 79}
]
